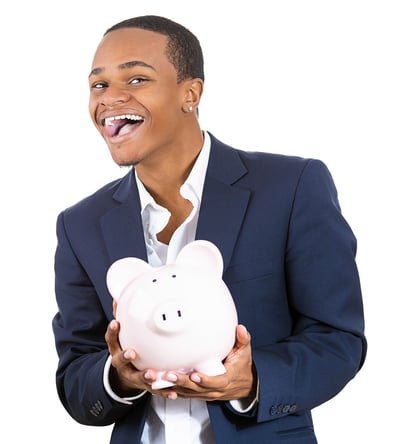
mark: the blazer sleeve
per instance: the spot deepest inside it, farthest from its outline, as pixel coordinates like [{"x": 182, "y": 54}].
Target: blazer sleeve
[
  {"x": 79, "y": 328},
  {"x": 327, "y": 345}
]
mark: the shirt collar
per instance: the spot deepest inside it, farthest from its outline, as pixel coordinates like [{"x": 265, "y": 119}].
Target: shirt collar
[{"x": 194, "y": 182}]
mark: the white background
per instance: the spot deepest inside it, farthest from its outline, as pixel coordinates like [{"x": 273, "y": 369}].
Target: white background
[{"x": 310, "y": 78}]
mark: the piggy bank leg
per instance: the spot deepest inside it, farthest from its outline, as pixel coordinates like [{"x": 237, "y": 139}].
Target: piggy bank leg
[
  {"x": 211, "y": 367},
  {"x": 160, "y": 383}
]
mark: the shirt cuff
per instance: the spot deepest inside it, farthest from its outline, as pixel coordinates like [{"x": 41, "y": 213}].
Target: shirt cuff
[
  {"x": 245, "y": 405},
  {"x": 107, "y": 386}
]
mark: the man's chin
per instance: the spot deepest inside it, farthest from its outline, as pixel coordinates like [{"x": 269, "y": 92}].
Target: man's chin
[
  {"x": 120, "y": 156},
  {"x": 121, "y": 162},
  {"x": 126, "y": 164}
]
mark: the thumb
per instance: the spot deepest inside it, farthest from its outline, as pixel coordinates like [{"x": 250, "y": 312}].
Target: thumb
[{"x": 242, "y": 336}]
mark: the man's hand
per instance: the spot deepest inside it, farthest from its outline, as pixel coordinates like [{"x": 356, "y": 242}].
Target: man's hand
[
  {"x": 239, "y": 381},
  {"x": 125, "y": 379}
]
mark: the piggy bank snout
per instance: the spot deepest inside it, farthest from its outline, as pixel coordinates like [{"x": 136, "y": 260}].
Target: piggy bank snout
[{"x": 170, "y": 317}]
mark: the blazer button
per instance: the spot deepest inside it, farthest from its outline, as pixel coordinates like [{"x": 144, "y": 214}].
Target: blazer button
[
  {"x": 286, "y": 408},
  {"x": 273, "y": 410},
  {"x": 292, "y": 408}
]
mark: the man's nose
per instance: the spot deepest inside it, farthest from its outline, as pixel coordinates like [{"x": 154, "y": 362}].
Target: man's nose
[{"x": 114, "y": 96}]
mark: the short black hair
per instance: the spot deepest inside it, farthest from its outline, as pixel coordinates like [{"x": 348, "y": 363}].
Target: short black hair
[{"x": 183, "y": 47}]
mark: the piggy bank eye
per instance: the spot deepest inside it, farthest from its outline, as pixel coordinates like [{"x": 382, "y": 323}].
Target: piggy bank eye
[
  {"x": 154, "y": 280},
  {"x": 174, "y": 276}
]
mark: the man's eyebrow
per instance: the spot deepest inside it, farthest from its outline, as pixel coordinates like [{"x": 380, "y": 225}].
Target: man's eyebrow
[{"x": 122, "y": 66}]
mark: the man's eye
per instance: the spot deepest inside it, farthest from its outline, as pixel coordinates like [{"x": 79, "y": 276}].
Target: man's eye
[
  {"x": 136, "y": 81},
  {"x": 98, "y": 85}
]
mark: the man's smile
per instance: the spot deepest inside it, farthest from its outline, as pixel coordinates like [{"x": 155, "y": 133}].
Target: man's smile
[{"x": 121, "y": 124}]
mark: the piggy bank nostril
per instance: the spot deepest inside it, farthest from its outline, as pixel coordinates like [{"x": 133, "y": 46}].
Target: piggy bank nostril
[{"x": 178, "y": 312}]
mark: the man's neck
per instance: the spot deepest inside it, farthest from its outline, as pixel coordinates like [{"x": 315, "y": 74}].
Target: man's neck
[{"x": 163, "y": 180}]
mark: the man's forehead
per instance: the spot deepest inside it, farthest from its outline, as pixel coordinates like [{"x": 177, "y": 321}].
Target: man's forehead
[
  {"x": 130, "y": 46},
  {"x": 133, "y": 38}
]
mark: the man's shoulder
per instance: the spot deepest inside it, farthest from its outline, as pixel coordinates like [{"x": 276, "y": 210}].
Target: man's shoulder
[
  {"x": 256, "y": 159},
  {"x": 102, "y": 198}
]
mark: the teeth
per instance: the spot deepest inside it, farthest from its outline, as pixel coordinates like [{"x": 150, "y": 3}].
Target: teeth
[{"x": 109, "y": 121}]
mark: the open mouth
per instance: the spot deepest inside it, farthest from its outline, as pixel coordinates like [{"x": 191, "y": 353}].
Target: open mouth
[{"x": 122, "y": 124}]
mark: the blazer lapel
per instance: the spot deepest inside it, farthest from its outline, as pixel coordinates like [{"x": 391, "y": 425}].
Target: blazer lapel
[
  {"x": 222, "y": 210},
  {"x": 122, "y": 225},
  {"x": 223, "y": 204}
]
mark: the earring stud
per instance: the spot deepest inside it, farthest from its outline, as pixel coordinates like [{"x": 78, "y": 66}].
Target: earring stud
[{"x": 190, "y": 108}]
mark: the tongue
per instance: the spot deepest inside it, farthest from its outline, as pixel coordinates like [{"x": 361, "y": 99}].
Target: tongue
[
  {"x": 114, "y": 129},
  {"x": 120, "y": 128},
  {"x": 125, "y": 129}
]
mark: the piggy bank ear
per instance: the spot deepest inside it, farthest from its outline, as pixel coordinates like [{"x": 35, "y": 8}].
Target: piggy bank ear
[
  {"x": 123, "y": 271},
  {"x": 201, "y": 254}
]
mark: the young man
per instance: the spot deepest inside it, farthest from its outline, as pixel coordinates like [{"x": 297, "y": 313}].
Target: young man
[{"x": 289, "y": 260}]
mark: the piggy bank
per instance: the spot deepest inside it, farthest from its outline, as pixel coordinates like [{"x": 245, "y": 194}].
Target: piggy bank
[{"x": 177, "y": 317}]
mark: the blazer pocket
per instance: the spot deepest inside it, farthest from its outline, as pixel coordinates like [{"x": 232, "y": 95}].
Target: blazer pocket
[{"x": 252, "y": 269}]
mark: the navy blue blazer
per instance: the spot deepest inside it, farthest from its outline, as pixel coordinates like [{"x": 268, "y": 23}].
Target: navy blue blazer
[{"x": 289, "y": 260}]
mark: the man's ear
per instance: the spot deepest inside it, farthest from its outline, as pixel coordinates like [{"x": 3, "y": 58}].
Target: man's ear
[{"x": 193, "y": 89}]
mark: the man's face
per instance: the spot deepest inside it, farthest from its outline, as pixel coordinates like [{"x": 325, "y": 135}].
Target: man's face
[{"x": 135, "y": 100}]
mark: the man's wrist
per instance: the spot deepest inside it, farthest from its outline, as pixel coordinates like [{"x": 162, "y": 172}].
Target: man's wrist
[{"x": 125, "y": 397}]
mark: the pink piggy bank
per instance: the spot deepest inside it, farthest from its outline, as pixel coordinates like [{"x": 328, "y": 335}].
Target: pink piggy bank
[{"x": 180, "y": 316}]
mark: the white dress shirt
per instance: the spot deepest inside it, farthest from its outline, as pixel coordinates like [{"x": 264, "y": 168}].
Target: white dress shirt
[{"x": 180, "y": 421}]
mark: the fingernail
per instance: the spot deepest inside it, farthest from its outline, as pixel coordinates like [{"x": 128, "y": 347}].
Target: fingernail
[
  {"x": 128, "y": 355},
  {"x": 195, "y": 378},
  {"x": 147, "y": 375},
  {"x": 172, "y": 396},
  {"x": 172, "y": 377},
  {"x": 113, "y": 324}
]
